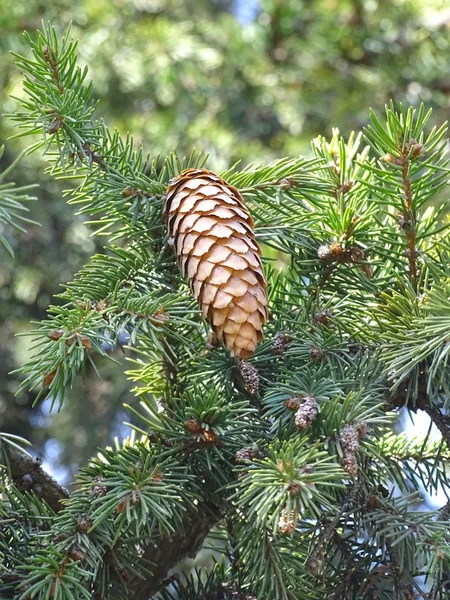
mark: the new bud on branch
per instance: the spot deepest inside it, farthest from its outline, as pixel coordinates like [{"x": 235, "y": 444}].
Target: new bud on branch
[{"x": 212, "y": 233}]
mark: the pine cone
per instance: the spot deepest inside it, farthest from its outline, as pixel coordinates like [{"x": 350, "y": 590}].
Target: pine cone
[{"x": 216, "y": 248}]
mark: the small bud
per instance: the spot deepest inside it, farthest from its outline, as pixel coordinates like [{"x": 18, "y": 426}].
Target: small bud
[
  {"x": 294, "y": 403},
  {"x": 287, "y": 524},
  {"x": 337, "y": 250},
  {"x": 122, "y": 504},
  {"x": 250, "y": 376},
  {"x": 193, "y": 426},
  {"x": 49, "y": 377},
  {"x": 158, "y": 476},
  {"x": 391, "y": 159},
  {"x": 84, "y": 524},
  {"x": 55, "y": 334},
  {"x": 99, "y": 490},
  {"x": 324, "y": 253},
  {"x": 414, "y": 149},
  {"x": 280, "y": 343},
  {"x": 347, "y": 186},
  {"x": 294, "y": 489},
  {"x": 323, "y": 316},
  {"x": 210, "y": 436},
  {"x": 54, "y": 125},
  {"x": 404, "y": 223},
  {"x": 356, "y": 254},
  {"x": 160, "y": 318},
  {"x": 349, "y": 437},
  {"x": 85, "y": 341},
  {"x": 372, "y": 502},
  {"x": 76, "y": 554},
  {"x": 247, "y": 453},
  {"x": 129, "y": 191},
  {"x": 316, "y": 353}
]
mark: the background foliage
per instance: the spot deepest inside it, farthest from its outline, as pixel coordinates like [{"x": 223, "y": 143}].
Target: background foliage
[{"x": 240, "y": 80}]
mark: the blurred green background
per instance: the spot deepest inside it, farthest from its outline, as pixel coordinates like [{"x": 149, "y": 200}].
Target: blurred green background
[{"x": 240, "y": 79}]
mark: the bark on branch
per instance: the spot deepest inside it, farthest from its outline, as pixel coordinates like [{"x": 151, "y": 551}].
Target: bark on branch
[
  {"x": 28, "y": 475},
  {"x": 169, "y": 552}
]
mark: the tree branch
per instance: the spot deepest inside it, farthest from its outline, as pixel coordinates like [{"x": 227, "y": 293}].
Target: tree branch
[
  {"x": 170, "y": 551},
  {"x": 441, "y": 421},
  {"x": 28, "y": 475}
]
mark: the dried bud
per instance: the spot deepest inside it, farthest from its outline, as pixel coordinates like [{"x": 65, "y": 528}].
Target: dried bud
[
  {"x": 56, "y": 334},
  {"x": 247, "y": 453},
  {"x": 210, "y": 436},
  {"x": 324, "y": 253},
  {"x": 308, "y": 469},
  {"x": 99, "y": 490},
  {"x": 122, "y": 504},
  {"x": 306, "y": 413},
  {"x": 160, "y": 318},
  {"x": 193, "y": 426},
  {"x": 404, "y": 223},
  {"x": 372, "y": 502},
  {"x": 347, "y": 186},
  {"x": 82, "y": 304},
  {"x": 76, "y": 554},
  {"x": 323, "y": 316},
  {"x": 49, "y": 377},
  {"x": 85, "y": 341},
  {"x": 356, "y": 254},
  {"x": 280, "y": 343},
  {"x": 158, "y": 476},
  {"x": 287, "y": 524},
  {"x": 337, "y": 250},
  {"x": 414, "y": 149},
  {"x": 362, "y": 429},
  {"x": 250, "y": 376},
  {"x": 84, "y": 524},
  {"x": 54, "y": 125},
  {"x": 294, "y": 403},
  {"x": 391, "y": 159},
  {"x": 316, "y": 353},
  {"x": 129, "y": 191},
  {"x": 294, "y": 489}
]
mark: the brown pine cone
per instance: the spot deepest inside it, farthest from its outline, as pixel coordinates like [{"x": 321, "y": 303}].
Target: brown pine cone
[{"x": 212, "y": 233}]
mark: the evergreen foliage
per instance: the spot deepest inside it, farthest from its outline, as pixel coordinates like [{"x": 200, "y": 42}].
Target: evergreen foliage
[{"x": 289, "y": 464}]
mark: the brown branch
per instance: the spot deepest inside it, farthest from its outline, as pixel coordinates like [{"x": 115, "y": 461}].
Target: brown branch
[
  {"x": 28, "y": 475},
  {"x": 170, "y": 551},
  {"x": 441, "y": 421}
]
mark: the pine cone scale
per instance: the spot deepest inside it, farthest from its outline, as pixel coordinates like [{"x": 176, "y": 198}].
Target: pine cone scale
[{"x": 217, "y": 250}]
